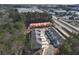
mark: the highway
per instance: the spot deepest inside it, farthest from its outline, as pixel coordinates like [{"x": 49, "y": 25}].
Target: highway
[
  {"x": 66, "y": 25},
  {"x": 62, "y": 31},
  {"x": 69, "y": 25}
]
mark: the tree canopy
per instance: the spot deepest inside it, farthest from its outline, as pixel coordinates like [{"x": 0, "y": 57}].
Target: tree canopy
[{"x": 70, "y": 46}]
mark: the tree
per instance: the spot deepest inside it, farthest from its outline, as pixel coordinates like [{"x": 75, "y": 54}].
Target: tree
[
  {"x": 12, "y": 37},
  {"x": 70, "y": 46}
]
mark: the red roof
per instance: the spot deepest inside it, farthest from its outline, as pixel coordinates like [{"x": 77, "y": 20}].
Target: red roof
[{"x": 39, "y": 24}]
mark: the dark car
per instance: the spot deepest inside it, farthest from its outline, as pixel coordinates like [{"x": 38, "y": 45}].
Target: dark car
[
  {"x": 53, "y": 39},
  {"x": 55, "y": 43}
]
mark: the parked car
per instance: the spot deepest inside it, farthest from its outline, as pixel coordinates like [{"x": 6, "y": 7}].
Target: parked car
[
  {"x": 53, "y": 39},
  {"x": 55, "y": 43}
]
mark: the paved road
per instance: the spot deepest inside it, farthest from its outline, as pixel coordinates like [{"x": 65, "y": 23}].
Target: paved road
[{"x": 51, "y": 50}]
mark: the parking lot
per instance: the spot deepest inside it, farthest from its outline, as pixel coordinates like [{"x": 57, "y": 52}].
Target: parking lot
[{"x": 47, "y": 39}]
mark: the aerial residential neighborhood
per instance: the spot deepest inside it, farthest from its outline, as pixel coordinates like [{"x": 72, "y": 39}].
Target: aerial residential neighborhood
[{"x": 28, "y": 29}]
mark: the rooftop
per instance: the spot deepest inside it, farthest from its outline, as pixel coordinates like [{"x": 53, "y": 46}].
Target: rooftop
[
  {"x": 29, "y": 10},
  {"x": 40, "y": 24}
]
